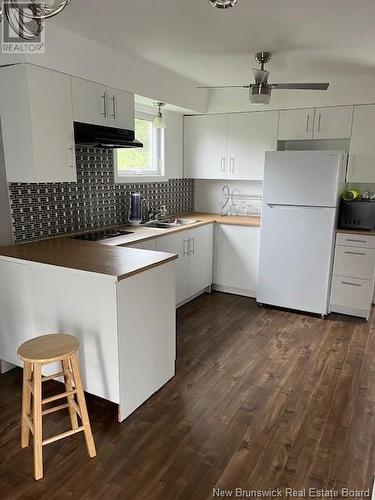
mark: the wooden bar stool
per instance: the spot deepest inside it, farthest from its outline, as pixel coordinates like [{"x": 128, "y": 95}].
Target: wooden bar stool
[{"x": 38, "y": 352}]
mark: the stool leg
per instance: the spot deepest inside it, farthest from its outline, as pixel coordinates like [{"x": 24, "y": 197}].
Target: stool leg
[
  {"x": 69, "y": 387},
  {"x": 37, "y": 413},
  {"x": 26, "y": 405},
  {"x": 82, "y": 406}
]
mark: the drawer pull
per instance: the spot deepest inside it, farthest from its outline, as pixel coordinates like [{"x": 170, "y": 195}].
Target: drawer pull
[
  {"x": 356, "y": 241},
  {"x": 351, "y": 284},
  {"x": 355, "y": 253}
]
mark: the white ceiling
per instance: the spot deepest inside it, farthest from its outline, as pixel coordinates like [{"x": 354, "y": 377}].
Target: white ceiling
[{"x": 311, "y": 39}]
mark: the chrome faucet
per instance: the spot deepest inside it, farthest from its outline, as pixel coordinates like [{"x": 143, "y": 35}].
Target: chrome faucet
[{"x": 162, "y": 213}]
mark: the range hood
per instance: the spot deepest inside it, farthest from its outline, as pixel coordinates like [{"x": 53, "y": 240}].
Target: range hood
[{"x": 105, "y": 137}]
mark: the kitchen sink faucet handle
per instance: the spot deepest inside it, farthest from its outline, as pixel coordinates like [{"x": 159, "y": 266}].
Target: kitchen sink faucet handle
[{"x": 163, "y": 211}]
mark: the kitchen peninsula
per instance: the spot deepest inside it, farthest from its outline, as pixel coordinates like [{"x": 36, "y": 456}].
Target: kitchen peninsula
[{"x": 109, "y": 297}]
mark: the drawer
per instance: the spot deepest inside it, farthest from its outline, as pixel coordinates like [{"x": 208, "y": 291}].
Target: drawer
[
  {"x": 355, "y": 240},
  {"x": 355, "y": 262},
  {"x": 351, "y": 292}
]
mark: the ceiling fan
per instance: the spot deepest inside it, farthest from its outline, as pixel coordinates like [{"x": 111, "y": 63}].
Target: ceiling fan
[{"x": 260, "y": 91}]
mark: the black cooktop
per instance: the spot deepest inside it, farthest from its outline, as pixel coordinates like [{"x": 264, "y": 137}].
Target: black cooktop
[{"x": 103, "y": 234}]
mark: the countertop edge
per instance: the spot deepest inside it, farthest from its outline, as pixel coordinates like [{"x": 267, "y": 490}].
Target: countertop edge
[
  {"x": 364, "y": 232},
  {"x": 145, "y": 268}
]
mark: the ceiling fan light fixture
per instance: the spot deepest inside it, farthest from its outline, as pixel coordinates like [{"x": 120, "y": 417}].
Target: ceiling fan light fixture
[
  {"x": 260, "y": 93},
  {"x": 223, "y": 4}
]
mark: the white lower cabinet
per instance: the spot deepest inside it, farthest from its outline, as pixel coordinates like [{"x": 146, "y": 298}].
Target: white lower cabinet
[
  {"x": 178, "y": 243},
  {"x": 194, "y": 248},
  {"x": 353, "y": 275},
  {"x": 237, "y": 256},
  {"x": 231, "y": 264},
  {"x": 144, "y": 245},
  {"x": 200, "y": 259}
]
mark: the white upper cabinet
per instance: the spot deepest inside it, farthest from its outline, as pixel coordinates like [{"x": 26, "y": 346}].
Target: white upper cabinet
[
  {"x": 90, "y": 102},
  {"x": 37, "y": 124},
  {"x": 100, "y": 105},
  {"x": 120, "y": 109},
  {"x": 206, "y": 146},
  {"x": 362, "y": 145},
  {"x": 250, "y": 136},
  {"x": 333, "y": 123},
  {"x": 228, "y": 146},
  {"x": 296, "y": 124},
  {"x": 320, "y": 123}
]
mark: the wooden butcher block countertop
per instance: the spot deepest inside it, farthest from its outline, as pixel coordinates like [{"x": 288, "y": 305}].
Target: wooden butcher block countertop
[
  {"x": 88, "y": 256},
  {"x": 110, "y": 256},
  {"x": 142, "y": 233}
]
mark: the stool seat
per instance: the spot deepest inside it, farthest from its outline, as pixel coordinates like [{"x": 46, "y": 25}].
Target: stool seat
[
  {"x": 36, "y": 353},
  {"x": 48, "y": 348}
]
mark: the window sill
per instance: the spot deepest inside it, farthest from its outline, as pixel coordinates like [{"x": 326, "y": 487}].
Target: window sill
[{"x": 139, "y": 179}]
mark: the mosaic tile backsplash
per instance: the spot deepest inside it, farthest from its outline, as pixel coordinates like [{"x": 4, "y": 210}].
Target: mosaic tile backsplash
[{"x": 52, "y": 209}]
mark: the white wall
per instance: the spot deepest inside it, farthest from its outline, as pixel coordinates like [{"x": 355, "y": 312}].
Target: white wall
[
  {"x": 79, "y": 56},
  {"x": 174, "y": 139},
  {"x": 345, "y": 90},
  {"x": 5, "y": 222},
  {"x": 174, "y": 145},
  {"x": 208, "y": 194}
]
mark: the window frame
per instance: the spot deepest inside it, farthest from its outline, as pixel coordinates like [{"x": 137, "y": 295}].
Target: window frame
[{"x": 158, "y": 156}]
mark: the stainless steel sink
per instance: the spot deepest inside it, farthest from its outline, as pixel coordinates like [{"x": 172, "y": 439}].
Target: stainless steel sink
[
  {"x": 160, "y": 225},
  {"x": 169, "y": 223}
]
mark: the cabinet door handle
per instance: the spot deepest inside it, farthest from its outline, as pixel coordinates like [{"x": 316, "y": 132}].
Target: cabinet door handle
[
  {"x": 351, "y": 284},
  {"x": 355, "y": 241},
  {"x": 186, "y": 247},
  {"x": 104, "y": 97},
  {"x": 192, "y": 245},
  {"x": 319, "y": 121},
  {"x": 355, "y": 253},
  {"x": 222, "y": 164},
  {"x": 231, "y": 165},
  {"x": 307, "y": 123},
  {"x": 113, "y": 99}
]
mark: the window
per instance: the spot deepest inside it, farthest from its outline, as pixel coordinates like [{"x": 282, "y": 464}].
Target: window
[{"x": 146, "y": 161}]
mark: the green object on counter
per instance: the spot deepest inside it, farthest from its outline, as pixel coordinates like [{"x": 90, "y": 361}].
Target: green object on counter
[{"x": 352, "y": 194}]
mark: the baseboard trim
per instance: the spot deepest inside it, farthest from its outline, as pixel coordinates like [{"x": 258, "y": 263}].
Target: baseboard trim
[
  {"x": 350, "y": 311},
  {"x": 5, "y": 366},
  {"x": 205, "y": 290},
  {"x": 234, "y": 291}
]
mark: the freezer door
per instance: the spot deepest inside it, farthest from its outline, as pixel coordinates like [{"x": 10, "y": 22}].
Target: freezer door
[
  {"x": 296, "y": 253},
  {"x": 310, "y": 178}
]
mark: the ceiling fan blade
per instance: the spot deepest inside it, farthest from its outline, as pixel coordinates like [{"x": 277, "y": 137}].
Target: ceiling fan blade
[
  {"x": 260, "y": 75},
  {"x": 226, "y": 87},
  {"x": 300, "y": 86}
]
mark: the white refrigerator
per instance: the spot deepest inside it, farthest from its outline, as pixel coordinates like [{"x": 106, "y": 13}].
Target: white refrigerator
[{"x": 299, "y": 213}]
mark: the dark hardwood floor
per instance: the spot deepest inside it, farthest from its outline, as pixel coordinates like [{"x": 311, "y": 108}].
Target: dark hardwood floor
[{"x": 262, "y": 398}]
